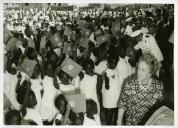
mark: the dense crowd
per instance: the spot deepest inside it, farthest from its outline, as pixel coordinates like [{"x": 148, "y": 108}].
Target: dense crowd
[{"x": 88, "y": 67}]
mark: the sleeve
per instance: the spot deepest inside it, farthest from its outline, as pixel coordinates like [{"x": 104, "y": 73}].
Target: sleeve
[{"x": 125, "y": 94}]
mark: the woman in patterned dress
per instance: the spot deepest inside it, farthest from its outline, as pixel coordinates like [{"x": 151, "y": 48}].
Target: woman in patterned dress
[{"x": 140, "y": 93}]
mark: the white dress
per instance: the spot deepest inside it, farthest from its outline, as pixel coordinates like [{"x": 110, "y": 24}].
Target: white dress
[
  {"x": 47, "y": 108},
  {"x": 36, "y": 86},
  {"x": 34, "y": 115},
  {"x": 102, "y": 66},
  {"x": 88, "y": 87}
]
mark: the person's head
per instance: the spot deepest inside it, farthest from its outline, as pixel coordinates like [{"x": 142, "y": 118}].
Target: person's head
[
  {"x": 123, "y": 23},
  {"x": 28, "y": 32},
  {"x": 147, "y": 66},
  {"x": 112, "y": 61},
  {"x": 32, "y": 54},
  {"x": 152, "y": 29},
  {"x": 89, "y": 67},
  {"x": 49, "y": 69},
  {"x": 61, "y": 103},
  {"x": 91, "y": 107},
  {"x": 31, "y": 98},
  {"x": 13, "y": 117},
  {"x": 64, "y": 77},
  {"x": 76, "y": 118},
  {"x": 139, "y": 21},
  {"x": 149, "y": 21},
  {"x": 53, "y": 57}
]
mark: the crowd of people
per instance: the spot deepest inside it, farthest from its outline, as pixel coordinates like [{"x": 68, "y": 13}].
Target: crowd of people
[{"x": 119, "y": 64}]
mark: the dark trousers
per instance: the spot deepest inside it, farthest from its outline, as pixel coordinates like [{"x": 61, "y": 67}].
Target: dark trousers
[{"x": 111, "y": 116}]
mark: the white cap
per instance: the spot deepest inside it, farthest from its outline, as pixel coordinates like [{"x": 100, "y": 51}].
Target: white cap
[{"x": 136, "y": 33}]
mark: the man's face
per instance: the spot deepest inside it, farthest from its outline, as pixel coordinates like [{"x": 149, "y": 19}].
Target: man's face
[{"x": 152, "y": 30}]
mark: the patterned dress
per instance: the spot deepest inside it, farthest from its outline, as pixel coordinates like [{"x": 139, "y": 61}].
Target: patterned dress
[{"x": 138, "y": 102}]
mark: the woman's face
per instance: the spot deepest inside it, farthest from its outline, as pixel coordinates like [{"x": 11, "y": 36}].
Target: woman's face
[{"x": 143, "y": 71}]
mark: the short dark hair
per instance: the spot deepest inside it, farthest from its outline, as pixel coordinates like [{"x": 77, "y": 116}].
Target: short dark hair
[
  {"x": 90, "y": 104},
  {"x": 10, "y": 115},
  {"x": 59, "y": 98}
]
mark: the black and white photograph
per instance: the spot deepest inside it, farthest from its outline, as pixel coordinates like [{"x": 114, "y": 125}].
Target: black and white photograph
[{"x": 88, "y": 64}]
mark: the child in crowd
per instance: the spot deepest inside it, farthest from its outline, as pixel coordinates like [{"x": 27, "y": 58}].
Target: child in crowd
[
  {"x": 47, "y": 108},
  {"x": 76, "y": 118},
  {"x": 91, "y": 117},
  {"x": 110, "y": 90},
  {"x": 88, "y": 85},
  {"x": 61, "y": 118},
  {"x": 26, "y": 97}
]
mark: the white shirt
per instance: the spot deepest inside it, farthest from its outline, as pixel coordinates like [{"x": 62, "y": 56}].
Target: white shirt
[
  {"x": 88, "y": 87},
  {"x": 102, "y": 66},
  {"x": 34, "y": 115},
  {"x": 128, "y": 30},
  {"x": 36, "y": 86},
  {"x": 95, "y": 121},
  {"x": 149, "y": 42},
  {"x": 110, "y": 96},
  {"x": 47, "y": 108},
  {"x": 10, "y": 82},
  {"x": 124, "y": 69}
]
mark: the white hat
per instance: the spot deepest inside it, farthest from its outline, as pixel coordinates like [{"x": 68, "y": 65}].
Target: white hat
[{"x": 136, "y": 33}]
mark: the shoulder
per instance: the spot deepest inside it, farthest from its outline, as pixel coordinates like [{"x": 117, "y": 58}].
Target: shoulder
[
  {"x": 129, "y": 84},
  {"x": 132, "y": 80},
  {"x": 158, "y": 84}
]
